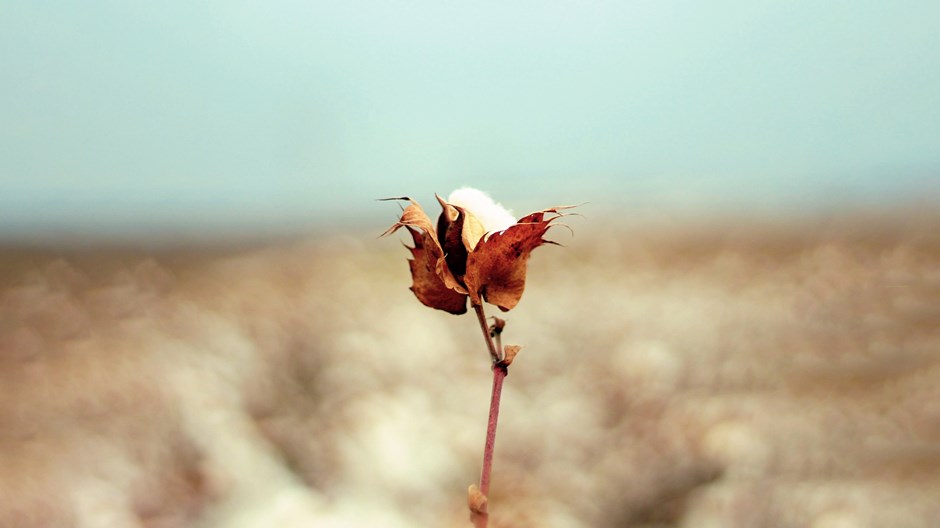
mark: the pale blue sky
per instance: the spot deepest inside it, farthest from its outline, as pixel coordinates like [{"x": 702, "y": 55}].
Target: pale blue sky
[{"x": 124, "y": 115}]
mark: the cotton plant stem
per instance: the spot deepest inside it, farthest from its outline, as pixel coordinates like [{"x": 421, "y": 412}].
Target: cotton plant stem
[
  {"x": 495, "y": 354},
  {"x": 499, "y": 374}
]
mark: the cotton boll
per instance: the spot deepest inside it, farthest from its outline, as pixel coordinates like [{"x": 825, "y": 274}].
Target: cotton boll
[
  {"x": 492, "y": 215},
  {"x": 838, "y": 519},
  {"x": 738, "y": 447}
]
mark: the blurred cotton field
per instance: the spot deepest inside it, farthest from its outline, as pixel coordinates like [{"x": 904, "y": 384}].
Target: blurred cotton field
[{"x": 698, "y": 374}]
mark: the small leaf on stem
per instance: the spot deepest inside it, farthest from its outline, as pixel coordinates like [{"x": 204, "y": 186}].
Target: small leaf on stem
[
  {"x": 509, "y": 353},
  {"x": 476, "y": 500},
  {"x": 497, "y": 327}
]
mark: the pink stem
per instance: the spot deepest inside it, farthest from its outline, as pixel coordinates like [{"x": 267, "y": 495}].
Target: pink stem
[
  {"x": 495, "y": 355},
  {"x": 499, "y": 374},
  {"x": 500, "y": 371}
]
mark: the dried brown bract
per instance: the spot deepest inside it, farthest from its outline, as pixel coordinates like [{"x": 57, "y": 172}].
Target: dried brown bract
[
  {"x": 509, "y": 353},
  {"x": 463, "y": 257},
  {"x": 476, "y": 500}
]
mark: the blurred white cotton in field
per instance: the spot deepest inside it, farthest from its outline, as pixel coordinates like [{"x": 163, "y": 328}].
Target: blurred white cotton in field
[
  {"x": 676, "y": 375},
  {"x": 492, "y": 215}
]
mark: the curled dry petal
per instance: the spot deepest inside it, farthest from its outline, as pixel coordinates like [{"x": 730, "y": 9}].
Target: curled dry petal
[
  {"x": 496, "y": 268},
  {"x": 509, "y": 353},
  {"x": 427, "y": 284},
  {"x": 450, "y": 237},
  {"x": 412, "y": 216},
  {"x": 476, "y": 500},
  {"x": 426, "y": 266},
  {"x": 497, "y": 327},
  {"x": 458, "y": 232}
]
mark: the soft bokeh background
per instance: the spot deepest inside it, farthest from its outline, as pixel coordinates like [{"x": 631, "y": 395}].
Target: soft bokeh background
[
  {"x": 198, "y": 326},
  {"x": 119, "y": 117}
]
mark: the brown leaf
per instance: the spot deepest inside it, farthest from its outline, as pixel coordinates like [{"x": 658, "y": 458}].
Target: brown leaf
[
  {"x": 458, "y": 232},
  {"x": 509, "y": 353},
  {"x": 429, "y": 281},
  {"x": 496, "y": 268},
  {"x": 427, "y": 284},
  {"x": 450, "y": 236},
  {"x": 413, "y": 216},
  {"x": 497, "y": 327}
]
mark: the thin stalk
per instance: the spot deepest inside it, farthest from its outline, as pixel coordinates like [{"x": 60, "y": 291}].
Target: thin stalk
[
  {"x": 495, "y": 354},
  {"x": 499, "y": 374}
]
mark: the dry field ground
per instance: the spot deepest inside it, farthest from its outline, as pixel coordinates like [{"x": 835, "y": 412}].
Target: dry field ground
[{"x": 696, "y": 374}]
